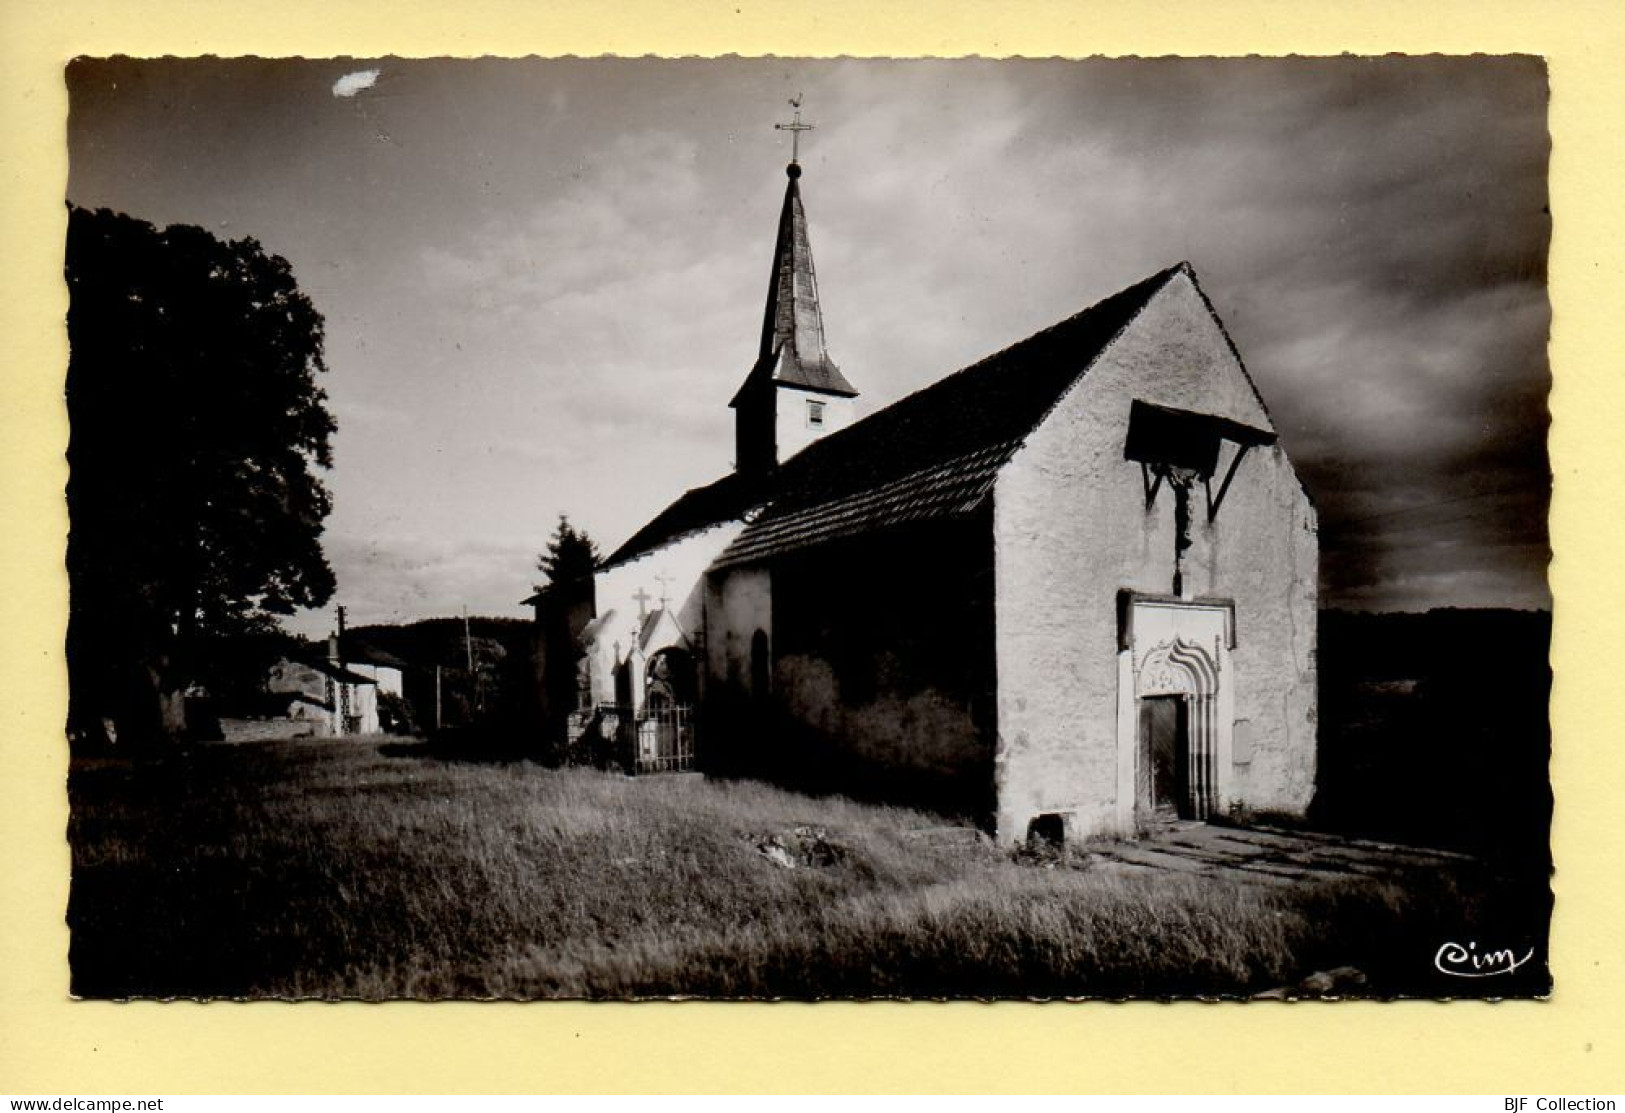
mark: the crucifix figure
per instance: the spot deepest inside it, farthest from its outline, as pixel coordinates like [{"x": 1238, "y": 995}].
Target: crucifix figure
[
  {"x": 1181, "y": 480},
  {"x": 643, "y": 598},
  {"x": 795, "y": 127}
]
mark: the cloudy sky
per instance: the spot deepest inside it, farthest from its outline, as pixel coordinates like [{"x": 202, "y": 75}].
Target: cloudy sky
[{"x": 543, "y": 280}]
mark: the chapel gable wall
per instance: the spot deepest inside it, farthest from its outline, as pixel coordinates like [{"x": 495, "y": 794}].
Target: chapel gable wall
[{"x": 1072, "y": 531}]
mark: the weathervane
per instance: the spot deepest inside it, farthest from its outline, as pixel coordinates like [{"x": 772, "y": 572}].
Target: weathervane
[{"x": 795, "y": 127}]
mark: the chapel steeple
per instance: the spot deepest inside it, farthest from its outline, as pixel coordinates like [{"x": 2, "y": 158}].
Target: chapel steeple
[{"x": 794, "y": 393}]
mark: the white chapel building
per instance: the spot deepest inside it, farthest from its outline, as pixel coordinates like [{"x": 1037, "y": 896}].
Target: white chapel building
[{"x": 1067, "y": 590}]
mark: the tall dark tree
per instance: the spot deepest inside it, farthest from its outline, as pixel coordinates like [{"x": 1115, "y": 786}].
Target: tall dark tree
[
  {"x": 564, "y": 605},
  {"x": 196, "y": 428},
  {"x": 570, "y": 557}
]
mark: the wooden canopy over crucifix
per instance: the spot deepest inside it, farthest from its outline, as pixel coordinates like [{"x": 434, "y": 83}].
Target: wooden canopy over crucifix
[{"x": 1182, "y": 444}]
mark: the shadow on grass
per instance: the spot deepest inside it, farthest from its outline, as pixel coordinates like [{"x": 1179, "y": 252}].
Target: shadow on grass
[
  {"x": 473, "y": 745},
  {"x": 376, "y": 870}
]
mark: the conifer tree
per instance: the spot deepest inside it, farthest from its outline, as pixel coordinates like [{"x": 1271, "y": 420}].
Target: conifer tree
[{"x": 570, "y": 557}]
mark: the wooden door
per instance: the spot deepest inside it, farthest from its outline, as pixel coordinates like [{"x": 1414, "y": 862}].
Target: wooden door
[{"x": 1163, "y": 774}]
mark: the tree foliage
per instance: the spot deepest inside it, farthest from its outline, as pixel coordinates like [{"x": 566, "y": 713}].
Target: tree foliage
[
  {"x": 570, "y": 557},
  {"x": 197, "y": 427}
]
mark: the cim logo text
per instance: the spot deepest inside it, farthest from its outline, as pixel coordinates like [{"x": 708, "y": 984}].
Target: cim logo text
[{"x": 1469, "y": 962}]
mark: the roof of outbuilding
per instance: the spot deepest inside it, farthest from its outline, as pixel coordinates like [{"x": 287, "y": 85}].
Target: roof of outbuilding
[
  {"x": 328, "y": 668},
  {"x": 359, "y": 652},
  {"x": 937, "y": 452}
]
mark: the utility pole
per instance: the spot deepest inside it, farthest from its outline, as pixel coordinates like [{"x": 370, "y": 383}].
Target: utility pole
[
  {"x": 475, "y": 693},
  {"x": 437, "y": 697},
  {"x": 343, "y": 686}
]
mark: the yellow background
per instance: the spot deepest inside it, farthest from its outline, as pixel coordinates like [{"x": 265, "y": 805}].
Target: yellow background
[{"x": 1571, "y": 1044}]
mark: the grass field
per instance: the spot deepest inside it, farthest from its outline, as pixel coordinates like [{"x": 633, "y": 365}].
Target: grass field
[{"x": 372, "y": 869}]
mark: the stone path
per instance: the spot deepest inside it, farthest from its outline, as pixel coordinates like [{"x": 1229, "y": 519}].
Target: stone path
[{"x": 1267, "y": 855}]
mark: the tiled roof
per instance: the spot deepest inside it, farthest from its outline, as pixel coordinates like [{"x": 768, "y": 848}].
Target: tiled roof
[
  {"x": 365, "y": 653},
  {"x": 933, "y": 454},
  {"x": 943, "y": 489},
  {"x": 337, "y": 672},
  {"x": 726, "y": 500},
  {"x": 936, "y": 452}
]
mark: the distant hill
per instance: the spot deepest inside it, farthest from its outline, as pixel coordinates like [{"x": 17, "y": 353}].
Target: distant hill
[
  {"x": 440, "y": 641},
  {"x": 1408, "y": 644},
  {"x": 1435, "y": 728}
]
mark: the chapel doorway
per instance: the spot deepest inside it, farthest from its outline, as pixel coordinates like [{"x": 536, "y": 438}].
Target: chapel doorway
[
  {"x": 1163, "y": 767},
  {"x": 1175, "y": 708}
]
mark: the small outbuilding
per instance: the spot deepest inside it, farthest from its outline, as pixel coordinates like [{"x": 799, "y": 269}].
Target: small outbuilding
[{"x": 327, "y": 694}]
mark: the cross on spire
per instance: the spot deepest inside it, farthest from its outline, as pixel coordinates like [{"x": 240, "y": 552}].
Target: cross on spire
[
  {"x": 642, "y": 598},
  {"x": 665, "y": 587},
  {"x": 795, "y": 127}
]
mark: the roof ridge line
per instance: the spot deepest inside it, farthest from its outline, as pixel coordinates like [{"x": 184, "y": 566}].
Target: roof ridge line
[
  {"x": 1247, "y": 376},
  {"x": 1152, "y": 283},
  {"x": 1154, "y": 286}
]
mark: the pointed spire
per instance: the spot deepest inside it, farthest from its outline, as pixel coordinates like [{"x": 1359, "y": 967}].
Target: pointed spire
[
  {"x": 771, "y": 424},
  {"x": 793, "y": 325}
]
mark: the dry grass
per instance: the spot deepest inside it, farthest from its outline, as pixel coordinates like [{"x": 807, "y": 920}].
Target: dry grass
[{"x": 363, "y": 869}]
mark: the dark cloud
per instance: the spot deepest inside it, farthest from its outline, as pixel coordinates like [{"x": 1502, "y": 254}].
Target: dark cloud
[{"x": 543, "y": 280}]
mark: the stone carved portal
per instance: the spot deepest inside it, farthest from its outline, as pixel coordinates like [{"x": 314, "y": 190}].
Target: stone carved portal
[
  {"x": 1186, "y": 671},
  {"x": 1175, "y": 706}
]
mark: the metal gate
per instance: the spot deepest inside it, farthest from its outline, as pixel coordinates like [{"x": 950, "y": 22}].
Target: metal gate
[
  {"x": 663, "y": 740},
  {"x": 656, "y": 740}
]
